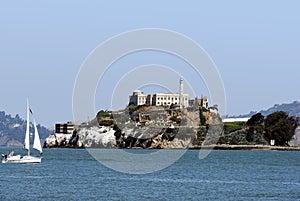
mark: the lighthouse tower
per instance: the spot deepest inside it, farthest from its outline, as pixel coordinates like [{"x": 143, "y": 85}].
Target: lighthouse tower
[{"x": 181, "y": 103}]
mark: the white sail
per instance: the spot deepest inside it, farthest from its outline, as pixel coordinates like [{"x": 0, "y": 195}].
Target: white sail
[
  {"x": 27, "y": 142},
  {"x": 37, "y": 142},
  {"x": 11, "y": 158}
]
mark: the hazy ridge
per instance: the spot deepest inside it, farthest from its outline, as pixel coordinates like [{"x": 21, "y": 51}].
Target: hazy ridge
[
  {"x": 292, "y": 109},
  {"x": 12, "y": 130}
]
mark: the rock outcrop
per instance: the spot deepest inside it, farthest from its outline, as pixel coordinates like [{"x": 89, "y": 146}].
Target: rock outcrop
[
  {"x": 156, "y": 128},
  {"x": 158, "y": 138},
  {"x": 185, "y": 134},
  {"x": 295, "y": 141},
  {"x": 84, "y": 137}
]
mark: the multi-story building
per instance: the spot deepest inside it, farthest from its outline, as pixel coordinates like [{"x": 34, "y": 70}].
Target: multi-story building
[
  {"x": 203, "y": 102},
  {"x": 139, "y": 98},
  {"x": 167, "y": 99},
  {"x": 66, "y": 128}
]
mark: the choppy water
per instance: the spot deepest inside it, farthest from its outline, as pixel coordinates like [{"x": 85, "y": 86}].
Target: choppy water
[{"x": 72, "y": 174}]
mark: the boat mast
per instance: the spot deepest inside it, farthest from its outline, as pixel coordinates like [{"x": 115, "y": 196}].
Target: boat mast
[{"x": 27, "y": 142}]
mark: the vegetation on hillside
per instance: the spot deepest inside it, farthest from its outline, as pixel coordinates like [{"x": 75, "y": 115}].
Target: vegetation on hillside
[
  {"x": 277, "y": 126},
  {"x": 232, "y": 127},
  {"x": 12, "y": 129},
  {"x": 257, "y": 130},
  {"x": 255, "y": 127},
  {"x": 163, "y": 119}
]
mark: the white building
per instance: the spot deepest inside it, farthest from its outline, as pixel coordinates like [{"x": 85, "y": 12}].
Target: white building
[
  {"x": 234, "y": 120},
  {"x": 139, "y": 98},
  {"x": 159, "y": 99},
  {"x": 169, "y": 99}
]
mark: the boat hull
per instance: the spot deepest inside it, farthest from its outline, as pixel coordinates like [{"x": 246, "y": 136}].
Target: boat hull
[{"x": 24, "y": 159}]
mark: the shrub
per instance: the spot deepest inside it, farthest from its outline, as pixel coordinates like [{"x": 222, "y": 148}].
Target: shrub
[{"x": 106, "y": 122}]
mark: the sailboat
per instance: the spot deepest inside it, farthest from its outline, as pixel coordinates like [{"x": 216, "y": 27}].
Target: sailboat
[{"x": 11, "y": 158}]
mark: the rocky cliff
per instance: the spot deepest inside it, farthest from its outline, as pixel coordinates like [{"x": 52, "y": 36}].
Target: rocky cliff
[
  {"x": 164, "y": 134},
  {"x": 158, "y": 138},
  {"x": 84, "y": 137},
  {"x": 155, "y": 128}
]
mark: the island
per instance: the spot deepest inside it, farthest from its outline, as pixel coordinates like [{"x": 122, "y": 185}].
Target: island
[
  {"x": 197, "y": 127},
  {"x": 174, "y": 121}
]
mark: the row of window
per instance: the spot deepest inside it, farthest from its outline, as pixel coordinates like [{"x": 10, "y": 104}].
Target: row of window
[
  {"x": 158, "y": 103},
  {"x": 164, "y": 98}
]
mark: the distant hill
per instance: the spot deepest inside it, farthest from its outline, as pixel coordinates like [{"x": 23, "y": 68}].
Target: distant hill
[
  {"x": 12, "y": 130},
  {"x": 292, "y": 109}
]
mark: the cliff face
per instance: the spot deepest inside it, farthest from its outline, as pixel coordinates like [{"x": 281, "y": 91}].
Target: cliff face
[
  {"x": 243, "y": 137},
  {"x": 158, "y": 138},
  {"x": 103, "y": 137},
  {"x": 161, "y": 129},
  {"x": 188, "y": 135},
  {"x": 85, "y": 137}
]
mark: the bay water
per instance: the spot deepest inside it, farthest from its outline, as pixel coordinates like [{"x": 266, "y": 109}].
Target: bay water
[{"x": 73, "y": 174}]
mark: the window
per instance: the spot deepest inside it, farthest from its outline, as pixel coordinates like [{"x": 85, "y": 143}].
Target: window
[{"x": 158, "y": 98}]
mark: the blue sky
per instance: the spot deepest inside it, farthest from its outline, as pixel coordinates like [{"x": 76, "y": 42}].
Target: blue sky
[{"x": 254, "y": 44}]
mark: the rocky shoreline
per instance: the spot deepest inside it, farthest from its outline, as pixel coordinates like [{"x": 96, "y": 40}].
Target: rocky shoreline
[
  {"x": 248, "y": 147},
  {"x": 104, "y": 137}
]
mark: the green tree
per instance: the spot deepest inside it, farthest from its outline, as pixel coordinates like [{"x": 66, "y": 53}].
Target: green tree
[
  {"x": 256, "y": 119},
  {"x": 103, "y": 114},
  {"x": 132, "y": 108},
  {"x": 280, "y": 127},
  {"x": 255, "y": 124}
]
